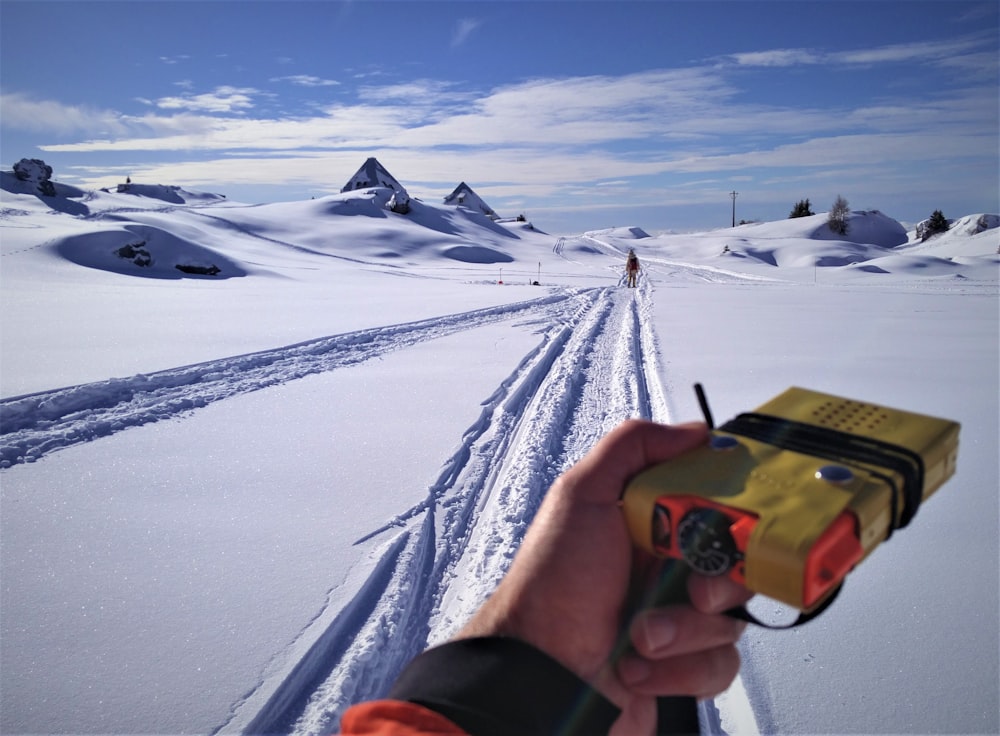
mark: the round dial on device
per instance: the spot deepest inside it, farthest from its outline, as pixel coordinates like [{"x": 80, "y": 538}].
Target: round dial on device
[{"x": 706, "y": 542}]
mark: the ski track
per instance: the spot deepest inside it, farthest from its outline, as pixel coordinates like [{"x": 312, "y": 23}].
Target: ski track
[
  {"x": 34, "y": 425},
  {"x": 595, "y": 366},
  {"x": 432, "y": 566}
]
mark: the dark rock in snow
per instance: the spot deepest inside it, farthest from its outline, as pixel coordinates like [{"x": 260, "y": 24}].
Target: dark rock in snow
[
  {"x": 399, "y": 202},
  {"x": 136, "y": 252},
  {"x": 210, "y": 270},
  {"x": 38, "y": 172}
]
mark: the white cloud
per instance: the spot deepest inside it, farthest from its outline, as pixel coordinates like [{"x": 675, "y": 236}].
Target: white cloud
[
  {"x": 306, "y": 80},
  {"x": 925, "y": 50},
  {"x": 224, "y": 99},
  {"x": 687, "y": 115},
  {"x": 662, "y": 110},
  {"x": 578, "y": 110},
  {"x": 777, "y": 58},
  {"x": 46, "y": 116},
  {"x": 423, "y": 92},
  {"x": 901, "y": 53},
  {"x": 357, "y": 126}
]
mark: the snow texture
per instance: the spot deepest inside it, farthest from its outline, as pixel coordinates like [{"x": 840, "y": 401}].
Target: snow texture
[{"x": 239, "y": 502}]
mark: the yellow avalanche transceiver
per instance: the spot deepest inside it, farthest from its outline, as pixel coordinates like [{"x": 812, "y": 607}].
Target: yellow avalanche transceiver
[{"x": 789, "y": 498}]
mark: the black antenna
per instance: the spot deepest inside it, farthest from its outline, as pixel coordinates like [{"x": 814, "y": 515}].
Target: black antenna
[{"x": 703, "y": 403}]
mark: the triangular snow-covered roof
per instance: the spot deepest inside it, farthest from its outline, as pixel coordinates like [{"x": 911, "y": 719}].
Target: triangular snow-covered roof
[
  {"x": 372, "y": 174},
  {"x": 465, "y": 197}
]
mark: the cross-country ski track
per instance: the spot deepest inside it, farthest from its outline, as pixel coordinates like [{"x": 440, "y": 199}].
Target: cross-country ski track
[
  {"x": 594, "y": 365},
  {"x": 446, "y": 554},
  {"x": 38, "y": 423}
]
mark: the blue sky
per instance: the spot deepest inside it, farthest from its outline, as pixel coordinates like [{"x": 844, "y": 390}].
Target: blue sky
[{"x": 579, "y": 114}]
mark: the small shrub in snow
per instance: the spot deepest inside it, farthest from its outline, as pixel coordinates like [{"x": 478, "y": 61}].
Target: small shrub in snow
[{"x": 837, "y": 219}]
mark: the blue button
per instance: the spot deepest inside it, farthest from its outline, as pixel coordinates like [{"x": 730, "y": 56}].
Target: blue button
[
  {"x": 723, "y": 442},
  {"x": 835, "y": 474}
]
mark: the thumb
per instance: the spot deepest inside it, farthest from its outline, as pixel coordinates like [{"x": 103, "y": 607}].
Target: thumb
[{"x": 629, "y": 449}]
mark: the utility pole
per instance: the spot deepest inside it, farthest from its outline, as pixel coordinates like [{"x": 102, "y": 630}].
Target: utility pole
[{"x": 733, "y": 195}]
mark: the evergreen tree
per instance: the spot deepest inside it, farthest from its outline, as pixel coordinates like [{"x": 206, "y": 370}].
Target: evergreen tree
[
  {"x": 802, "y": 209},
  {"x": 839, "y": 213},
  {"x": 937, "y": 223}
]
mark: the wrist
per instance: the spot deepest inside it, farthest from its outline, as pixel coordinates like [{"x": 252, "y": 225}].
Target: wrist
[
  {"x": 496, "y": 685},
  {"x": 509, "y": 616}
]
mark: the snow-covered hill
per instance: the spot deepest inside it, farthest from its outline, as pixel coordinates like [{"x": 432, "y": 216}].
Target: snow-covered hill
[
  {"x": 174, "y": 228},
  {"x": 972, "y": 235},
  {"x": 237, "y": 500}
]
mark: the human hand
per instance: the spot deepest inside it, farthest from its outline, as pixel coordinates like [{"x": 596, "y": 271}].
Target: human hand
[{"x": 568, "y": 590}]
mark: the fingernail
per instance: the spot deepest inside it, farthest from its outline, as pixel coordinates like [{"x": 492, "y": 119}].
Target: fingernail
[
  {"x": 659, "y": 630},
  {"x": 633, "y": 670}
]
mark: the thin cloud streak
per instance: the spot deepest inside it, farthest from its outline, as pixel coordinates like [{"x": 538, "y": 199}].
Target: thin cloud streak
[
  {"x": 464, "y": 28},
  {"x": 778, "y": 58},
  {"x": 905, "y": 53},
  {"x": 922, "y": 51},
  {"x": 306, "y": 80}
]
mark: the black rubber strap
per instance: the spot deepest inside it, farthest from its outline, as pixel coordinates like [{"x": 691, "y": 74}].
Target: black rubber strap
[
  {"x": 677, "y": 716},
  {"x": 832, "y": 444},
  {"x": 743, "y": 614}
]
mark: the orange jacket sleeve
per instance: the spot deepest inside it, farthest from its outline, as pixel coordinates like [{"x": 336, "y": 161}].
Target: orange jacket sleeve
[{"x": 396, "y": 718}]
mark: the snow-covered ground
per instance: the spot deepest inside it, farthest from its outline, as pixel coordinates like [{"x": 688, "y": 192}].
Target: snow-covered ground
[{"x": 241, "y": 501}]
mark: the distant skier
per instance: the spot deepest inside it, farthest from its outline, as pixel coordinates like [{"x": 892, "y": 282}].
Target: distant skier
[{"x": 632, "y": 268}]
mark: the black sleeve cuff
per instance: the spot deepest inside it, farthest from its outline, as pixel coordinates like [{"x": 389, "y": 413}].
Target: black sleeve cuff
[{"x": 499, "y": 687}]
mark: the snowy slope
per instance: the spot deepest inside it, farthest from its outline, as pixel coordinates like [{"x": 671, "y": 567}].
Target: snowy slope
[
  {"x": 239, "y": 502},
  {"x": 971, "y": 235}
]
